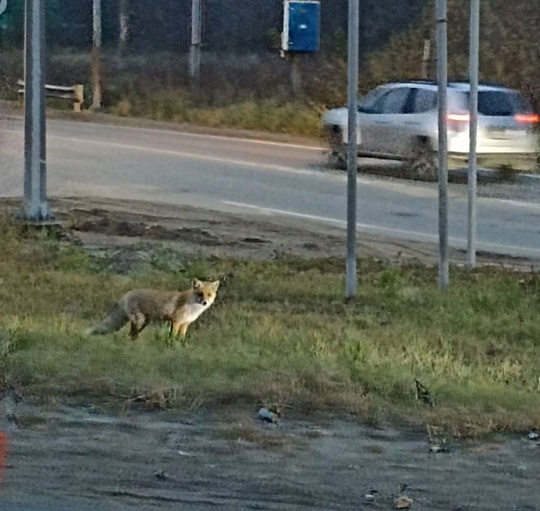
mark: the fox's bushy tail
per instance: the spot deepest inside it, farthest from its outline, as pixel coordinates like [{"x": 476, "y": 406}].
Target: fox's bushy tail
[{"x": 113, "y": 322}]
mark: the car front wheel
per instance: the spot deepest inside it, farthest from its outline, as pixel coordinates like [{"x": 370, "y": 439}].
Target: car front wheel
[{"x": 337, "y": 153}]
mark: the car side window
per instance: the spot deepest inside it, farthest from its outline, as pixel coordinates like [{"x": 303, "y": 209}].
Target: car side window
[
  {"x": 395, "y": 100},
  {"x": 424, "y": 101}
]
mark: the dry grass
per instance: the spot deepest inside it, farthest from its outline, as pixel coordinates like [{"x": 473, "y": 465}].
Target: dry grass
[
  {"x": 280, "y": 332},
  {"x": 262, "y": 115},
  {"x": 236, "y": 93}
]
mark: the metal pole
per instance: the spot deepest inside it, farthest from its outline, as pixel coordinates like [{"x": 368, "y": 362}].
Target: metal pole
[
  {"x": 473, "y": 129},
  {"x": 352, "y": 150},
  {"x": 123, "y": 29},
  {"x": 442, "y": 80},
  {"x": 96, "y": 50},
  {"x": 35, "y": 205},
  {"x": 196, "y": 36}
]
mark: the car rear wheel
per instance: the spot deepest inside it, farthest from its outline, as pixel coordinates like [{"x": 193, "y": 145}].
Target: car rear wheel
[
  {"x": 422, "y": 163},
  {"x": 337, "y": 159}
]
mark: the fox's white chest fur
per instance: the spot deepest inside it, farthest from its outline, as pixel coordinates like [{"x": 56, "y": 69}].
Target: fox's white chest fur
[{"x": 191, "y": 311}]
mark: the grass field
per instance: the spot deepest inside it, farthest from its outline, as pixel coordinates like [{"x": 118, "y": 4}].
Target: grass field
[{"x": 280, "y": 332}]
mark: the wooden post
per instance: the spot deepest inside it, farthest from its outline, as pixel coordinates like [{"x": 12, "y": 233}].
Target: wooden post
[{"x": 78, "y": 97}]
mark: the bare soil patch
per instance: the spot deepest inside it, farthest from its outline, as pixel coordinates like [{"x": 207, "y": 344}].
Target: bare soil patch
[
  {"x": 211, "y": 233},
  {"x": 75, "y": 458}
]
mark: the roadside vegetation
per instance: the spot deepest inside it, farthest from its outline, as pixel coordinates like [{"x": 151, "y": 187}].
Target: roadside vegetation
[
  {"x": 279, "y": 333},
  {"x": 252, "y": 88}
]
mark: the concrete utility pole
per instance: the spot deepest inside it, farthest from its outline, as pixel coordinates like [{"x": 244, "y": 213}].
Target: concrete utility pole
[
  {"x": 473, "y": 129},
  {"x": 352, "y": 149},
  {"x": 35, "y": 207},
  {"x": 442, "y": 80},
  {"x": 123, "y": 28},
  {"x": 426, "y": 56},
  {"x": 296, "y": 75},
  {"x": 196, "y": 36},
  {"x": 96, "y": 57}
]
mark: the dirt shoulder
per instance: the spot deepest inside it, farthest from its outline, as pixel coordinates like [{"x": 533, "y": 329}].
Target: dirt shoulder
[{"x": 108, "y": 223}]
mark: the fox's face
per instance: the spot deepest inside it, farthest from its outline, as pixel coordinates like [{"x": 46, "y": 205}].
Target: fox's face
[{"x": 205, "y": 292}]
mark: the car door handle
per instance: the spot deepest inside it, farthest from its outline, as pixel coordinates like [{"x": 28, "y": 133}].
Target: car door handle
[{"x": 382, "y": 122}]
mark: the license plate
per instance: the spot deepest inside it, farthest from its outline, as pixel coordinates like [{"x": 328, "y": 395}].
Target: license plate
[{"x": 506, "y": 133}]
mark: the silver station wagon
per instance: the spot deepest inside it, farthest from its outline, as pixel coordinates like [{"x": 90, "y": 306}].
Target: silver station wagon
[{"x": 399, "y": 121}]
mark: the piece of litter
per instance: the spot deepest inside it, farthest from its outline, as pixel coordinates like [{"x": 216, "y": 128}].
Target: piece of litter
[
  {"x": 403, "y": 503},
  {"x": 438, "y": 448},
  {"x": 267, "y": 416},
  {"x": 370, "y": 497},
  {"x": 187, "y": 454},
  {"x": 533, "y": 435}
]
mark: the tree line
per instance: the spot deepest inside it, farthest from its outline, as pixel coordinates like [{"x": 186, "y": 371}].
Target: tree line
[
  {"x": 392, "y": 36},
  {"x": 228, "y": 25}
]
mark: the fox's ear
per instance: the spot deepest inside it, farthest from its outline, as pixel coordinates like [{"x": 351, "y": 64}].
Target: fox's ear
[
  {"x": 196, "y": 284},
  {"x": 215, "y": 284}
]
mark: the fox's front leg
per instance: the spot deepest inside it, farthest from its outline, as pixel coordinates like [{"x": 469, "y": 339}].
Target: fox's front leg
[
  {"x": 179, "y": 329},
  {"x": 183, "y": 330}
]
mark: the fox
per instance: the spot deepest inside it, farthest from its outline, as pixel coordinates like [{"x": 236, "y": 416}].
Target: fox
[{"x": 140, "y": 307}]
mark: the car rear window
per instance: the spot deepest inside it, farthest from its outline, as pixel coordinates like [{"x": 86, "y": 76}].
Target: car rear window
[
  {"x": 424, "y": 100},
  {"x": 501, "y": 103}
]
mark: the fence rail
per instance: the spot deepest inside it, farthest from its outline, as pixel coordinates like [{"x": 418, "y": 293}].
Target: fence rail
[{"x": 75, "y": 93}]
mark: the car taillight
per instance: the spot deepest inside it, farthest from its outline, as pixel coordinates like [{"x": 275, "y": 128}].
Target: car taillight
[
  {"x": 458, "y": 122},
  {"x": 527, "y": 118},
  {"x": 458, "y": 117}
]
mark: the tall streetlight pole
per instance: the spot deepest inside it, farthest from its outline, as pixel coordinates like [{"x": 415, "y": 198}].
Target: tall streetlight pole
[
  {"x": 352, "y": 150},
  {"x": 35, "y": 207},
  {"x": 442, "y": 81},
  {"x": 473, "y": 129}
]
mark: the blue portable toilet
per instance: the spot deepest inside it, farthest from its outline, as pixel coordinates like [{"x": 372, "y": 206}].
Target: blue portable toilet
[{"x": 301, "y": 26}]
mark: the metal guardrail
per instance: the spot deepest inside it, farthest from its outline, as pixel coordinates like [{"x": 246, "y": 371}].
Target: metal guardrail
[{"x": 75, "y": 93}]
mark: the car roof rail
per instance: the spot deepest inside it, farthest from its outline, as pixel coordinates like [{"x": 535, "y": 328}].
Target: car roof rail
[
  {"x": 451, "y": 83},
  {"x": 485, "y": 83},
  {"x": 416, "y": 80}
]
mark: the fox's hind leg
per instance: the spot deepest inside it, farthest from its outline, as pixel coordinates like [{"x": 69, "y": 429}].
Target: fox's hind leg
[{"x": 138, "y": 324}]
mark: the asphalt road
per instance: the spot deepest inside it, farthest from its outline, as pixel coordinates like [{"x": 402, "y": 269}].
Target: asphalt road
[{"x": 261, "y": 177}]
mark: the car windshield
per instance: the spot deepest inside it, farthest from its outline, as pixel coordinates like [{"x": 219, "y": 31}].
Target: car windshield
[{"x": 366, "y": 102}]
